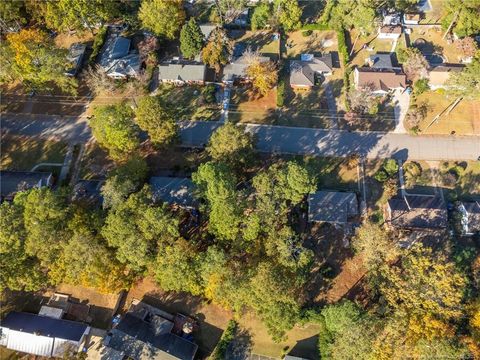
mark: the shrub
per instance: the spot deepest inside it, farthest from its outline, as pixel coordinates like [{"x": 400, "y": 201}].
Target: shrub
[
  {"x": 381, "y": 175},
  {"x": 281, "y": 93},
  {"x": 307, "y": 33},
  {"x": 413, "y": 168},
  {"x": 346, "y": 87},
  {"x": 98, "y": 43},
  {"x": 390, "y": 166},
  {"x": 390, "y": 187},
  {"x": 342, "y": 46},
  {"x": 227, "y": 337},
  {"x": 421, "y": 86},
  {"x": 208, "y": 93}
]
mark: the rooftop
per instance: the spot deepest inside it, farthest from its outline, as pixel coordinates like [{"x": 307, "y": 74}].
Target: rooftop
[
  {"x": 303, "y": 72},
  {"x": 381, "y": 61},
  {"x": 391, "y": 29},
  {"x": 174, "y": 191},
  {"x": 13, "y": 181},
  {"x": 413, "y": 211},
  {"x": 380, "y": 79},
  {"x": 182, "y": 72},
  {"x": 332, "y": 206}
]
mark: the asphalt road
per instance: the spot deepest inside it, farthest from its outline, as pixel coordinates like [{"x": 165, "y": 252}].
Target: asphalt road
[{"x": 277, "y": 139}]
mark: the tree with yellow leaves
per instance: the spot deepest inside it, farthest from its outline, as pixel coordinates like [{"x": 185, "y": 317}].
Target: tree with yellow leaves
[
  {"x": 36, "y": 62},
  {"x": 263, "y": 74}
]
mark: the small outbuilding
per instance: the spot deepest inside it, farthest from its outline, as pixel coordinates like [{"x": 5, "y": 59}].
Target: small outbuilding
[
  {"x": 392, "y": 32},
  {"x": 332, "y": 206}
]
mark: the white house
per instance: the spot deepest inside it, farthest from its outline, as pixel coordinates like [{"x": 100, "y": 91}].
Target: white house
[{"x": 392, "y": 32}]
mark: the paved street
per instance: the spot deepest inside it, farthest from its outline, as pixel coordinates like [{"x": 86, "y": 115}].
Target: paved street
[{"x": 280, "y": 139}]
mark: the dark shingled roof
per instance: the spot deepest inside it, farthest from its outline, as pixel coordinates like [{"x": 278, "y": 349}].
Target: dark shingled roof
[
  {"x": 44, "y": 326},
  {"x": 173, "y": 190},
  {"x": 140, "y": 339},
  {"x": 332, "y": 206},
  {"x": 423, "y": 212},
  {"x": 14, "y": 181}
]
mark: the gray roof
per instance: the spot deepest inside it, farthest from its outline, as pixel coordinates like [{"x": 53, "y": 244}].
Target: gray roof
[
  {"x": 182, "y": 72},
  {"x": 207, "y": 29},
  {"x": 413, "y": 211},
  {"x": 116, "y": 58},
  {"x": 332, "y": 206},
  {"x": 174, "y": 191},
  {"x": 88, "y": 190},
  {"x": 303, "y": 72},
  {"x": 14, "y": 181},
  {"x": 381, "y": 61},
  {"x": 238, "y": 66},
  {"x": 140, "y": 339},
  {"x": 75, "y": 57},
  {"x": 44, "y": 326}
]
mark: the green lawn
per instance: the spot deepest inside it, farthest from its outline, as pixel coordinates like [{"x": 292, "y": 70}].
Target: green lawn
[
  {"x": 188, "y": 103},
  {"x": 22, "y": 153}
]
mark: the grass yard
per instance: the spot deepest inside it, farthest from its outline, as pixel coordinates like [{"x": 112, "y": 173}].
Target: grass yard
[
  {"x": 317, "y": 42},
  {"x": 247, "y": 108},
  {"x": 464, "y": 119},
  {"x": 65, "y": 40},
  {"x": 23, "y": 153},
  {"x": 433, "y": 36},
  {"x": 95, "y": 162},
  {"x": 187, "y": 102},
  {"x": 433, "y": 16},
  {"x": 333, "y": 173},
  {"x": 262, "y": 41}
]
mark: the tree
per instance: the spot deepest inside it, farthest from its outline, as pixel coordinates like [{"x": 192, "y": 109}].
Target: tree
[
  {"x": 12, "y": 15},
  {"x": 114, "y": 129},
  {"x": 347, "y": 14},
  {"x": 66, "y": 15},
  {"x": 123, "y": 181},
  {"x": 36, "y": 62},
  {"x": 98, "y": 81},
  {"x": 416, "y": 114},
  {"x": 467, "y": 82},
  {"x": 375, "y": 245},
  {"x": 136, "y": 227},
  {"x": 464, "y": 14},
  {"x": 218, "y": 50},
  {"x": 18, "y": 271},
  {"x": 339, "y": 317},
  {"x": 157, "y": 120},
  {"x": 263, "y": 74},
  {"x": 229, "y": 10},
  {"x": 288, "y": 13},
  {"x": 261, "y": 16},
  {"x": 423, "y": 283},
  {"x": 467, "y": 46},
  {"x": 191, "y": 39},
  {"x": 163, "y": 17},
  {"x": 414, "y": 64},
  {"x": 231, "y": 144}
]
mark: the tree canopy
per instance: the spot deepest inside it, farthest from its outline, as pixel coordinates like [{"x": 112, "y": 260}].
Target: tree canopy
[
  {"x": 191, "y": 39},
  {"x": 464, "y": 14},
  {"x": 218, "y": 49},
  {"x": 467, "y": 82},
  {"x": 163, "y": 17},
  {"x": 288, "y": 13}
]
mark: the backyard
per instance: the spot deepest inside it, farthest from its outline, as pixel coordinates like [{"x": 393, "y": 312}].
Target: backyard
[
  {"x": 263, "y": 41},
  {"x": 317, "y": 42}
]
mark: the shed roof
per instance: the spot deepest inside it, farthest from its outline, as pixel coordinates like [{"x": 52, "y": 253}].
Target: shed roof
[
  {"x": 332, "y": 206},
  {"x": 44, "y": 326},
  {"x": 182, "y": 72},
  {"x": 438, "y": 75},
  {"x": 172, "y": 190},
  {"x": 380, "y": 79},
  {"x": 381, "y": 61},
  {"x": 14, "y": 181},
  {"x": 413, "y": 211}
]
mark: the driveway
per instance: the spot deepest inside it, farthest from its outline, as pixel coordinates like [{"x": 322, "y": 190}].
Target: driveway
[
  {"x": 332, "y": 105},
  {"x": 401, "y": 100}
]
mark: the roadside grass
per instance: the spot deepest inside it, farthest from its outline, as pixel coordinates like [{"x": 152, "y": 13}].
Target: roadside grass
[
  {"x": 22, "y": 153},
  {"x": 464, "y": 119},
  {"x": 188, "y": 103},
  {"x": 246, "y": 108},
  {"x": 376, "y": 197},
  {"x": 316, "y": 43}
]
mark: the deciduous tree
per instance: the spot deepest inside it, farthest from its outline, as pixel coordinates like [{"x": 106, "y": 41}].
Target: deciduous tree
[
  {"x": 218, "y": 50},
  {"x": 163, "y": 17},
  {"x": 467, "y": 82},
  {"x": 464, "y": 14},
  {"x": 263, "y": 74}
]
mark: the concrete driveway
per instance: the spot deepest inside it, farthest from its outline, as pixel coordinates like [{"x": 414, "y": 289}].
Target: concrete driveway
[{"x": 401, "y": 101}]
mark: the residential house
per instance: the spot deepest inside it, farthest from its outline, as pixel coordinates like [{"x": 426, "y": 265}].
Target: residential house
[
  {"x": 382, "y": 61},
  {"x": 380, "y": 81},
  {"x": 332, "y": 206},
  {"x": 470, "y": 217},
  {"x": 42, "y": 335},
  {"x": 392, "y": 32},
  {"x": 149, "y": 333},
  {"x": 303, "y": 71},
  {"x": 439, "y": 75},
  {"x": 12, "y": 182},
  {"x": 173, "y": 191},
  {"x": 238, "y": 65},
  {"x": 118, "y": 59},
  {"x": 75, "y": 57},
  {"x": 417, "y": 212},
  {"x": 411, "y": 19},
  {"x": 180, "y": 74}
]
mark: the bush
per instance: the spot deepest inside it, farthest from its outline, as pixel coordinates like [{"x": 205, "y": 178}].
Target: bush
[
  {"x": 346, "y": 86},
  {"x": 307, "y": 33},
  {"x": 390, "y": 166},
  {"x": 208, "y": 93},
  {"x": 421, "y": 86},
  {"x": 413, "y": 168},
  {"x": 342, "y": 46},
  {"x": 228, "y": 335},
  {"x": 381, "y": 175},
  {"x": 281, "y": 93},
  {"x": 97, "y": 44}
]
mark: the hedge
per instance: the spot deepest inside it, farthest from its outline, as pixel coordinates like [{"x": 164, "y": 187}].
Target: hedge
[
  {"x": 98, "y": 43},
  {"x": 346, "y": 86},
  {"x": 281, "y": 93},
  {"x": 342, "y": 46},
  {"x": 316, "y": 27},
  {"x": 228, "y": 335}
]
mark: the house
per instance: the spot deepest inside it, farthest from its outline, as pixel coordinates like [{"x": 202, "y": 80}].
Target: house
[
  {"x": 117, "y": 58},
  {"x": 173, "y": 191},
  {"x": 42, "y": 335},
  {"x": 303, "y": 71},
  {"x": 180, "y": 74},
  {"x": 239, "y": 63},
  {"x": 391, "y": 18},
  {"x": 382, "y": 61},
  {"x": 146, "y": 332},
  {"x": 411, "y": 19},
  {"x": 389, "y": 32},
  {"x": 332, "y": 206},
  {"x": 417, "y": 212},
  {"x": 439, "y": 75},
  {"x": 75, "y": 57},
  {"x": 470, "y": 217},
  {"x": 88, "y": 190},
  {"x": 380, "y": 81},
  {"x": 12, "y": 182}
]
